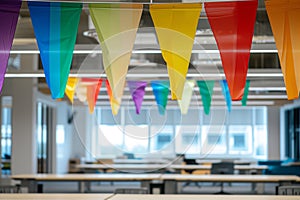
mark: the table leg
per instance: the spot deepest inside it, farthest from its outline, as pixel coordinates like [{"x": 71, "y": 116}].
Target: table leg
[
  {"x": 31, "y": 185},
  {"x": 81, "y": 186},
  {"x": 170, "y": 187}
]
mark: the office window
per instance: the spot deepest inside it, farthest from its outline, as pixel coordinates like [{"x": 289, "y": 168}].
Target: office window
[
  {"x": 6, "y": 131},
  {"x": 187, "y": 140},
  {"x": 109, "y": 140},
  {"x": 240, "y": 139},
  {"x": 161, "y": 139},
  {"x": 213, "y": 140},
  {"x": 136, "y": 139}
]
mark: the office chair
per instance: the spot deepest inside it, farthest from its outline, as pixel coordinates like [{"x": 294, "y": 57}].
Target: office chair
[
  {"x": 288, "y": 190},
  {"x": 222, "y": 168},
  {"x": 189, "y": 161}
]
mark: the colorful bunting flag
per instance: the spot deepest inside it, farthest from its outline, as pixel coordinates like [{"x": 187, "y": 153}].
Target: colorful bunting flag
[
  {"x": 161, "y": 91},
  {"x": 81, "y": 92},
  {"x": 70, "y": 88},
  {"x": 206, "y": 91},
  {"x": 9, "y": 14},
  {"x": 175, "y": 26},
  {"x": 55, "y": 26},
  {"x": 246, "y": 92},
  {"x": 284, "y": 18},
  {"x": 114, "y": 103},
  {"x": 93, "y": 86},
  {"x": 137, "y": 90},
  {"x": 116, "y": 26},
  {"x": 233, "y": 25},
  {"x": 185, "y": 101},
  {"x": 226, "y": 93}
]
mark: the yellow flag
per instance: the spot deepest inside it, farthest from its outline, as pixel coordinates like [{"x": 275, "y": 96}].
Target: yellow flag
[
  {"x": 284, "y": 18},
  {"x": 175, "y": 26},
  {"x": 114, "y": 103},
  {"x": 70, "y": 88},
  {"x": 185, "y": 101},
  {"x": 116, "y": 26}
]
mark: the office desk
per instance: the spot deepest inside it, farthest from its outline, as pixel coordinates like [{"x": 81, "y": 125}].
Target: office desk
[
  {"x": 170, "y": 180},
  {"x": 31, "y": 180},
  {"x": 205, "y": 197},
  {"x": 161, "y": 167},
  {"x": 141, "y": 161},
  {"x": 55, "y": 196}
]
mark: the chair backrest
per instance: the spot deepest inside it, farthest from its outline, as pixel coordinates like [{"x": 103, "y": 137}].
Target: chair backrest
[
  {"x": 131, "y": 191},
  {"x": 288, "y": 190},
  {"x": 10, "y": 189},
  {"x": 222, "y": 168}
]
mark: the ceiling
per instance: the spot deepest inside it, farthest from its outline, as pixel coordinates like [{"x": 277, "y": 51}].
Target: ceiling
[{"x": 267, "y": 86}]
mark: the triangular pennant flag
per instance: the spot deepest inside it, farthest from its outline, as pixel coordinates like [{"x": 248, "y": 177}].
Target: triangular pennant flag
[
  {"x": 55, "y": 26},
  {"x": 185, "y": 101},
  {"x": 93, "y": 86},
  {"x": 81, "y": 91},
  {"x": 246, "y": 92},
  {"x": 161, "y": 91},
  {"x": 137, "y": 90},
  {"x": 114, "y": 103},
  {"x": 233, "y": 25},
  {"x": 284, "y": 18},
  {"x": 226, "y": 93},
  {"x": 206, "y": 91},
  {"x": 116, "y": 26},
  {"x": 175, "y": 26},
  {"x": 9, "y": 14},
  {"x": 70, "y": 88}
]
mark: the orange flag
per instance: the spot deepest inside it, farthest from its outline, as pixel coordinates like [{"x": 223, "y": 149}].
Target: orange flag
[
  {"x": 93, "y": 86},
  {"x": 284, "y": 18}
]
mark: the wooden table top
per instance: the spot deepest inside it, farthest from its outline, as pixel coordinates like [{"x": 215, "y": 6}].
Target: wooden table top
[
  {"x": 87, "y": 177},
  {"x": 205, "y": 197},
  {"x": 56, "y": 196},
  {"x": 229, "y": 178},
  {"x": 152, "y": 167}
]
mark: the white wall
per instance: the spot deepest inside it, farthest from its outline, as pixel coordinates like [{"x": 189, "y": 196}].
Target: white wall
[
  {"x": 22, "y": 91},
  {"x": 273, "y": 133}
]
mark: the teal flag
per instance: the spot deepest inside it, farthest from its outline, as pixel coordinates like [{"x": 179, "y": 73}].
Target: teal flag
[
  {"x": 226, "y": 93},
  {"x": 55, "y": 26},
  {"x": 206, "y": 91},
  {"x": 246, "y": 91},
  {"x": 161, "y": 91}
]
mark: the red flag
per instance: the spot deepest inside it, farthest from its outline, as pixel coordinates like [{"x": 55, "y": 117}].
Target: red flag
[{"x": 233, "y": 25}]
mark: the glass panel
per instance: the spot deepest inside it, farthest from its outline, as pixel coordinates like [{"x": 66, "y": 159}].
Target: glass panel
[
  {"x": 110, "y": 140},
  {"x": 261, "y": 141},
  {"x": 187, "y": 140},
  {"x": 136, "y": 139},
  {"x": 161, "y": 139},
  {"x": 213, "y": 140},
  {"x": 240, "y": 139}
]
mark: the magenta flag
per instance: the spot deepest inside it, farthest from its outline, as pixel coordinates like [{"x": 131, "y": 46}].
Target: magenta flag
[
  {"x": 9, "y": 14},
  {"x": 137, "y": 90}
]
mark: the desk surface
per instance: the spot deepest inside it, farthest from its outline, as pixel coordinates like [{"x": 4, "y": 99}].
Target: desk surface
[
  {"x": 56, "y": 196},
  {"x": 205, "y": 197},
  {"x": 230, "y": 178},
  {"x": 151, "y": 167},
  {"x": 87, "y": 177}
]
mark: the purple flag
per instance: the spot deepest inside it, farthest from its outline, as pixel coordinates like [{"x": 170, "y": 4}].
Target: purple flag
[
  {"x": 9, "y": 13},
  {"x": 137, "y": 90}
]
